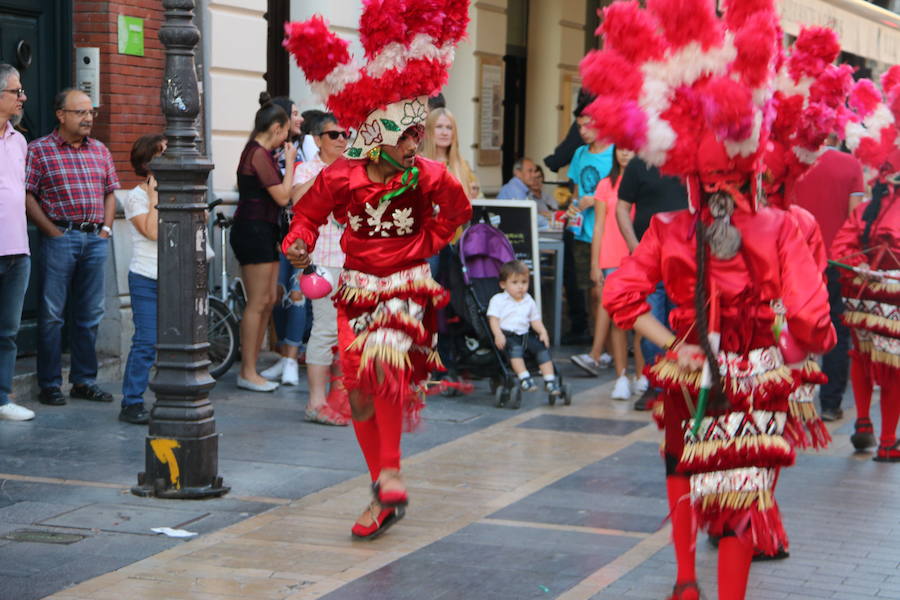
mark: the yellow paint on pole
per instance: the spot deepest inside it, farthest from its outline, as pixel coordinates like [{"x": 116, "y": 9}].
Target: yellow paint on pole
[{"x": 165, "y": 453}]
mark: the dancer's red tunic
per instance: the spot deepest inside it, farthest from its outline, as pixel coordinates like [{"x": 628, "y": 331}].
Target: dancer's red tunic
[{"x": 386, "y": 299}]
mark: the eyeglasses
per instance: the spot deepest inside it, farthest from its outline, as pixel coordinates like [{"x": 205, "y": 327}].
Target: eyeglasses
[
  {"x": 333, "y": 135},
  {"x": 19, "y": 92},
  {"x": 82, "y": 113}
]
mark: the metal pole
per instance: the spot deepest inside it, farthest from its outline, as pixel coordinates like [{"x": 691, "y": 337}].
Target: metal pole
[{"x": 182, "y": 449}]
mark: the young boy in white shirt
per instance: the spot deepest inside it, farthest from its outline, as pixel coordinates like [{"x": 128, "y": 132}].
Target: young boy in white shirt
[{"x": 513, "y": 315}]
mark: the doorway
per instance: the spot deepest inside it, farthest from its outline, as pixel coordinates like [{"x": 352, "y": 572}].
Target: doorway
[{"x": 36, "y": 38}]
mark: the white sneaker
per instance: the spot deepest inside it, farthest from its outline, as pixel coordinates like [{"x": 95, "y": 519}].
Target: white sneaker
[
  {"x": 641, "y": 385},
  {"x": 605, "y": 360},
  {"x": 622, "y": 389},
  {"x": 275, "y": 371},
  {"x": 13, "y": 412},
  {"x": 291, "y": 373}
]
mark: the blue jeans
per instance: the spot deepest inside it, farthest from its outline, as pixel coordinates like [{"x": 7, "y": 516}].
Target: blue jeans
[
  {"x": 660, "y": 307},
  {"x": 74, "y": 262},
  {"x": 289, "y": 316},
  {"x": 14, "y": 271},
  {"x": 143, "y": 344}
]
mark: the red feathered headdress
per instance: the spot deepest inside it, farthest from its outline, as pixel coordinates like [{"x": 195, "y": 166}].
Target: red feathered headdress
[
  {"x": 674, "y": 75},
  {"x": 409, "y": 47},
  {"x": 871, "y": 133},
  {"x": 810, "y": 104}
]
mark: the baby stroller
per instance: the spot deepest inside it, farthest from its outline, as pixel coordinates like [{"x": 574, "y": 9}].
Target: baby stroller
[{"x": 472, "y": 274}]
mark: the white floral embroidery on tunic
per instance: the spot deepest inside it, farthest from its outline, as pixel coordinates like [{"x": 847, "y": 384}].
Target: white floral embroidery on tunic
[
  {"x": 403, "y": 220},
  {"x": 355, "y": 222}
]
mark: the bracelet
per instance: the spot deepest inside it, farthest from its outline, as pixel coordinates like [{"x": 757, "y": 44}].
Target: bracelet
[
  {"x": 107, "y": 229},
  {"x": 668, "y": 345}
]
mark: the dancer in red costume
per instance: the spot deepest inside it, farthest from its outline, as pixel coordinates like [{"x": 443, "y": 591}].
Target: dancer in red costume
[
  {"x": 399, "y": 209},
  {"x": 810, "y": 105},
  {"x": 695, "y": 102},
  {"x": 869, "y": 246}
]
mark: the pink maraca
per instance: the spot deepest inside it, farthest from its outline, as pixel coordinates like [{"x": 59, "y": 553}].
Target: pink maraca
[
  {"x": 316, "y": 282},
  {"x": 790, "y": 351}
]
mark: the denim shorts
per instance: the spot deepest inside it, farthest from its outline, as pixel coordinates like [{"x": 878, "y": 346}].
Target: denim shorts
[{"x": 518, "y": 345}]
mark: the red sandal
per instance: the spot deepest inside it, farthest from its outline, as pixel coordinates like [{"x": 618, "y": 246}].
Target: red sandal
[
  {"x": 863, "y": 434},
  {"x": 382, "y": 520},
  {"x": 888, "y": 454},
  {"x": 685, "y": 591},
  {"x": 391, "y": 497}
]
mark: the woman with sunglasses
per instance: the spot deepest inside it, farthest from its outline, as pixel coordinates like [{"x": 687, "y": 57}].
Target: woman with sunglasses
[{"x": 322, "y": 366}]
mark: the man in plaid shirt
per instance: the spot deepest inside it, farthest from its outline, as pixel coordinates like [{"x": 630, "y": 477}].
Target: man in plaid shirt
[{"x": 70, "y": 179}]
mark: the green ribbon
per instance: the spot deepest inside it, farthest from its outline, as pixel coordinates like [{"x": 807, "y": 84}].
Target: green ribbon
[{"x": 410, "y": 179}]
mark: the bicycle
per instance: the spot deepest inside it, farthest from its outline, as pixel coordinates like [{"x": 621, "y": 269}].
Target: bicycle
[{"x": 226, "y": 306}]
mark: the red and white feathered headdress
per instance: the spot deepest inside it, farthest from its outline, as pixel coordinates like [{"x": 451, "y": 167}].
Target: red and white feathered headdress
[
  {"x": 689, "y": 92},
  {"x": 810, "y": 104},
  {"x": 871, "y": 134},
  {"x": 409, "y": 47}
]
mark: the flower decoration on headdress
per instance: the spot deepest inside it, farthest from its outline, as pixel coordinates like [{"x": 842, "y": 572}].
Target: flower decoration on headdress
[
  {"x": 674, "y": 76},
  {"x": 409, "y": 46},
  {"x": 871, "y": 133}
]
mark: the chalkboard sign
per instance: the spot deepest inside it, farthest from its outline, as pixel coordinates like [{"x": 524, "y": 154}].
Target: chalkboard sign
[{"x": 518, "y": 220}]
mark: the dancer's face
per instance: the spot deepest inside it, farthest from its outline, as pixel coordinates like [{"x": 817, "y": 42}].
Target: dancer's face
[
  {"x": 516, "y": 285},
  {"x": 405, "y": 150}
]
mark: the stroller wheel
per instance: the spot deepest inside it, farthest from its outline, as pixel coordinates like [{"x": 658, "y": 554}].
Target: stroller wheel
[
  {"x": 494, "y": 385},
  {"x": 551, "y": 399},
  {"x": 567, "y": 394},
  {"x": 516, "y": 396},
  {"x": 501, "y": 396}
]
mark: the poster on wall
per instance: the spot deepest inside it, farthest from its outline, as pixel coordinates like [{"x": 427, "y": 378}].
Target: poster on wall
[
  {"x": 518, "y": 220},
  {"x": 490, "y": 118}
]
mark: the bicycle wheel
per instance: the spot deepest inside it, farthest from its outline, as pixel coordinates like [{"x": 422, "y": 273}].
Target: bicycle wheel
[{"x": 223, "y": 334}]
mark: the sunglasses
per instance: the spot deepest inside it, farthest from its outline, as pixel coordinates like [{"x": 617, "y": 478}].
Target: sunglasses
[{"x": 333, "y": 135}]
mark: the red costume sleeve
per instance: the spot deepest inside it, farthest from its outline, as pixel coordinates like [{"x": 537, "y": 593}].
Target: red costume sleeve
[
  {"x": 625, "y": 292},
  {"x": 803, "y": 293},
  {"x": 845, "y": 247},
  {"x": 454, "y": 209},
  {"x": 312, "y": 210}
]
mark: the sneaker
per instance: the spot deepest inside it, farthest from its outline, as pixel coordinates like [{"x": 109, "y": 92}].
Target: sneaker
[
  {"x": 135, "y": 414},
  {"x": 605, "y": 360},
  {"x": 832, "y": 414},
  {"x": 622, "y": 389},
  {"x": 643, "y": 403},
  {"x": 291, "y": 373},
  {"x": 275, "y": 371},
  {"x": 527, "y": 384},
  {"x": 640, "y": 386},
  {"x": 587, "y": 362},
  {"x": 552, "y": 387},
  {"x": 13, "y": 412}
]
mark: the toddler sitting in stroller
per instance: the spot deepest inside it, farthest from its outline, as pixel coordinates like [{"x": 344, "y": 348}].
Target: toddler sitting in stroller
[{"x": 513, "y": 315}]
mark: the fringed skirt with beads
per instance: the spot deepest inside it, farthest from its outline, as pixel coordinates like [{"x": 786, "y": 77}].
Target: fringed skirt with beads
[
  {"x": 387, "y": 334},
  {"x": 872, "y": 311},
  {"x": 733, "y": 459}
]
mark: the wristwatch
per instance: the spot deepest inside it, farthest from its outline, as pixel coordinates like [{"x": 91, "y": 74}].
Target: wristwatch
[{"x": 107, "y": 229}]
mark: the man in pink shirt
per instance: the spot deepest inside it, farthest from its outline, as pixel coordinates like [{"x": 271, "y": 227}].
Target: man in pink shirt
[
  {"x": 15, "y": 261},
  {"x": 830, "y": 190}
]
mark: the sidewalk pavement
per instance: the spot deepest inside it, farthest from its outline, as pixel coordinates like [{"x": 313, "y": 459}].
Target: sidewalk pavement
[{"x": 561, "y": 502}]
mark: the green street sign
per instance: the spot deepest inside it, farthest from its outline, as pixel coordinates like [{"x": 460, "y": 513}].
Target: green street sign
[{"x": 131, "y": 35}]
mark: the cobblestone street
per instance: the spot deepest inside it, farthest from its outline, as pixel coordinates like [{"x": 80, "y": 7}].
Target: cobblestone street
[{"x": 544, "y": 502}]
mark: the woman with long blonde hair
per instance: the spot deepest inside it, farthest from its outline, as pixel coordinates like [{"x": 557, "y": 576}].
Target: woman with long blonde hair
[{"x": 442, "y": 144}]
